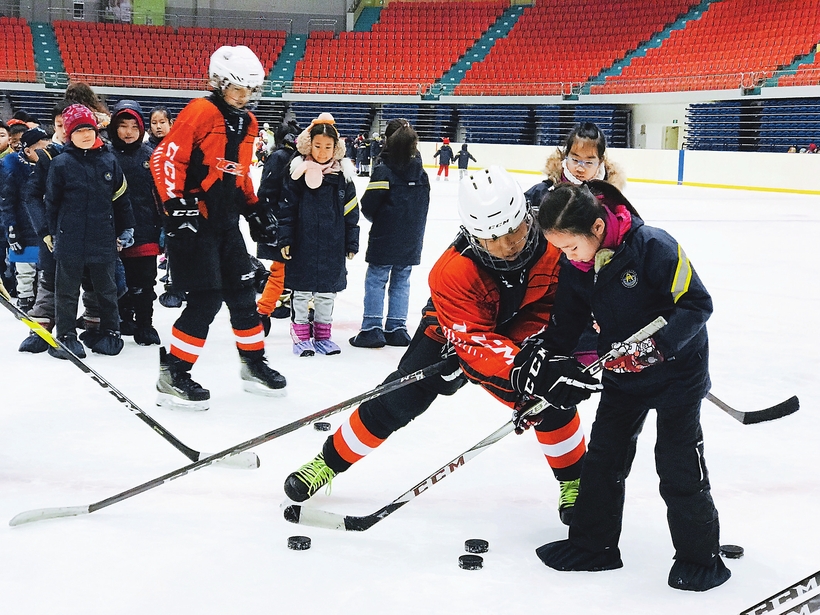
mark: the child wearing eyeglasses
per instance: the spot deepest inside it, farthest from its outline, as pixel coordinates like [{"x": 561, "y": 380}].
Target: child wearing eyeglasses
[{"x": 582, "y": 158}]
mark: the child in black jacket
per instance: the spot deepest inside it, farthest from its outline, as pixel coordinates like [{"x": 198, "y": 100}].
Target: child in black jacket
[
  {"x": 89, "y": 219},
  {"x": 136, "y": 307},
  {"x": 396, "y": 202},
  {"x": 628, "y": 274}
]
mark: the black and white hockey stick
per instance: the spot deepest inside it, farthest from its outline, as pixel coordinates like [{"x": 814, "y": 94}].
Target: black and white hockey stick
[
  {"x": 71, "y": 511},
  {"x": 750, "y": 417},
  {"x": 243, "y": 461},
  {"x": 334, "y": 521}
]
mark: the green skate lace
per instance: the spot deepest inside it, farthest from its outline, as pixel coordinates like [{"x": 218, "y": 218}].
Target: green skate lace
[
  {"x": 569, "y": 493},
  {"x": 316, "y": 473}
]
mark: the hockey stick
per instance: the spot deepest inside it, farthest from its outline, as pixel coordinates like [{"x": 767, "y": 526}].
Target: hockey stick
[
  {"x": 784, "y": 408},
  {"x": 335, "y": 521},
  {"x": 244, "y": 461},
  {"x": 70, "y": 511}
]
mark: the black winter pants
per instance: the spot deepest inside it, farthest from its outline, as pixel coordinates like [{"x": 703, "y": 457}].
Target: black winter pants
[
  {"x": 684, "y": 480},
  {"x": 141, "y": 276},
  {"x": 68, "y": 277}
]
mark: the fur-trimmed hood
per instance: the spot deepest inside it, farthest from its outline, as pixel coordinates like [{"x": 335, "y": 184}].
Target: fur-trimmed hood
[{"x": 554, "y": 170}]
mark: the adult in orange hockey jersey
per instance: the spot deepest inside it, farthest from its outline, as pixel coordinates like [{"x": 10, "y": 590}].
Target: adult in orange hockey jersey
[
  {"x": 491, "y": 289},
  {"x": 201, "y": 170}
]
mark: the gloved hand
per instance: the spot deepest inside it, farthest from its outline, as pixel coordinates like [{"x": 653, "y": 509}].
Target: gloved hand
[
  {"x": 126, "y": 239},
  {"x": 49, "y": 241},
  {"x": 263, "y": 224},
  {"x": 14, "y": 242},
  {"x": 558, "y": 379},
  {"x": 183, "y": 216},
  {"x": 285, "y": 252},
  {"x": 350, "y": 255},
  {"x": 635, "y": 356},
  {"x": 521, "y": 420}
]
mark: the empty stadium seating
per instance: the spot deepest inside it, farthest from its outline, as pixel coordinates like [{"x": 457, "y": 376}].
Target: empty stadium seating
[
  {"x": 16, "y": 51},
  {"x": 153, "y": 56}
]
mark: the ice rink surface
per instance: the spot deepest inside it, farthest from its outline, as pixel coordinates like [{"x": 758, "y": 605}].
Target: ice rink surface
[{"x": 214, "y": 541}]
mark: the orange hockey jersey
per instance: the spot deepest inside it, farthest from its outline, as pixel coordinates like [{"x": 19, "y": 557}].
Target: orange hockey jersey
[
  {"x": 192, "y": 157},
  {"x": 485, "y": 316}
]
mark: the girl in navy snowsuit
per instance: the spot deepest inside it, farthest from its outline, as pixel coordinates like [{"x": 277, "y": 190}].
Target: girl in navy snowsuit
[
  {"x": 627, "y": 274},
  {"x": 318, "y": 228}
]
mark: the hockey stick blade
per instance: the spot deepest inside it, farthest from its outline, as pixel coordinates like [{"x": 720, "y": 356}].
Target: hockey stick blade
[
  {"x": 244, "y": 461},
  {"x": 778, "y": 411},
  {"x": 314, "y": 517},
  {"x": 387, "y": 387}
]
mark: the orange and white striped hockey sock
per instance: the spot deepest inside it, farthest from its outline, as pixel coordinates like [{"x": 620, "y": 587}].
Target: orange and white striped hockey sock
[
  {"x": 250, "y": 340},
  {"x": 563, "y": 446},
  {"x": 353, "y": 441},
  {"x": 185, "y": 347}
]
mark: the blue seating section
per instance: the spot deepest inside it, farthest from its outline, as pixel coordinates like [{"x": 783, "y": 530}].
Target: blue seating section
[{"x": 431, "y": 122}]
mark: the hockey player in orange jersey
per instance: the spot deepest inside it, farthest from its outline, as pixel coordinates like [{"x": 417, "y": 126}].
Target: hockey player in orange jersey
[{"x": 490, "y": 290}]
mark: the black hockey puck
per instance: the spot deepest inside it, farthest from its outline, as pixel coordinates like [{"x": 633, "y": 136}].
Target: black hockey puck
[
  {"x": 470, "y": 562},
  {"x": 731, "y": 551},
  {"x": 476, "y": 545},
  {"x": 320, "y": 426},
  {"x": 299, "y": 543}
]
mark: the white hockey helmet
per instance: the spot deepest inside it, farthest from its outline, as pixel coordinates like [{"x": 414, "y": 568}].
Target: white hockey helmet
[
  {"x": 491, "y": 204},
  {"x": 238, "y": 66}
]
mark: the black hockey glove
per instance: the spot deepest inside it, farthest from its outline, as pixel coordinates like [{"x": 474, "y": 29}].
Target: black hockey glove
[
  {"x": 522, "y": 420},
  {"x": 263, "y": 224},
  {"x": 183, "y": 217},
  {"x": 14, "y": 242},
  {"x": 558, "y": 379}
]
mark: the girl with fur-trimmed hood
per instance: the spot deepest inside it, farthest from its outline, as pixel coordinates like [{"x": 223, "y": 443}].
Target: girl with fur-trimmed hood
[
  {"x": 581, "y": 159},
  {"x": 318, "y": 228}
]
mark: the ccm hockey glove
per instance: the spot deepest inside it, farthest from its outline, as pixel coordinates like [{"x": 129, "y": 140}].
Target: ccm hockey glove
[
  {"x": 557, "y": 378},
  {"x": 635, "y": 356},
  {"x": 183, "y": 217},
  {"x": 263, "y": 224}
]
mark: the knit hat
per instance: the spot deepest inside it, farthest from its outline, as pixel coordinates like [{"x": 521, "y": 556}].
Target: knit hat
[
  {"x": 32, "y": 136},
  {"x": 76, "y": 116},
  {"x": 303, "y": 140},
  {"x": 446, "y": 140}
]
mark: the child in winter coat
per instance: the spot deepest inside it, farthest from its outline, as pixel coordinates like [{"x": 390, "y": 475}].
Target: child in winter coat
[
  {"x": 319, "y": 226},
  {"x": 270, "y": 190},
  {"x": 160, "y": 122},
  {"x": 89, "y": 219},
  {"x": 16, "y": 171},
  {"x": 126, "y": 132},
  {"x": 445, "y": 157},
  {"x": 396, "y": 202},
  {"x": 463, "y": 157},
  {"x": 628, "y": 274}
]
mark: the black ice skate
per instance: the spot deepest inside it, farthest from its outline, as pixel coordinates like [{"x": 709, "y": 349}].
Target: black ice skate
[
  {"x": 258, "y": 378},
  {"x": 176, "y": 390},
  {"x": 307, "y": 480}
]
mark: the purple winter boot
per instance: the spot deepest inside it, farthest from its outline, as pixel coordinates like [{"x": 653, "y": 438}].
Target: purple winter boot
[
  {"x": 302, "y": 344},
  {"x": 322, "y": 341}
]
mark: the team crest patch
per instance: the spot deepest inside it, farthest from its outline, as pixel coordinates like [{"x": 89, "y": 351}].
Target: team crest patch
[
  {"x": 108, "y": 176},
  {"x": 629, "y": 278}
]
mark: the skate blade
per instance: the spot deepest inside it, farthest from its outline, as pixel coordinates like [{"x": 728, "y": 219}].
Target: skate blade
[
  {"x": 175, "y": 403},
  {"x": 261, "y": 389}
]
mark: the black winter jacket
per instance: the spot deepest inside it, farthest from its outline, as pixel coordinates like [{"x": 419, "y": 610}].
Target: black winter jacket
[
  {"x": 464, "y": 157},
  {"x": 16, "y": 172},
  {"x": 36, "y": 189},
  {"x": 396, "y": 201},
  {"x": 270, "y": 191},
  {"x": 648, "y": 276},
  {"x": 134, "y": 159},
  {"x": 321, "y": 227},
  {"x": 444, "y": 155},
  {"x": 87, "y": 205}
]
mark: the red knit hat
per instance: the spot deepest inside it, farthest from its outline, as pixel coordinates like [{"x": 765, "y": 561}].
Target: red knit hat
[
  {"x": 446, "y": 140},
  {"x": 76, "y": 116}
]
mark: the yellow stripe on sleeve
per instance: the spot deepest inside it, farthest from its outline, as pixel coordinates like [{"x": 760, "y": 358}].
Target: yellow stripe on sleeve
[
  {"x": 122, "y": 189},
  {"x": 683, "y": 276},
  {"x": 351, "y": 205},
  {"x": 383, "y": 185}
]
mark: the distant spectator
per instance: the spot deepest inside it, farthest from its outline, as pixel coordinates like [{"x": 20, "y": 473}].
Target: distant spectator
[
  {"x": 16, "y": 130},
  {"x": 445, "y": 158},
  {"x": 463, "y": 158},
  {"x": 792, "y": 149},
  {"x": 81, "y": 93},
  {"x": 375, "y": 147},
  {"x": 5, "y": 143},
  {"x": 812, "y": 148}
]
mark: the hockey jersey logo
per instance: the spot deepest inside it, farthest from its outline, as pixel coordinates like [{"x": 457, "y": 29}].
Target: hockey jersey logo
[{"x": 230, "y": 167}]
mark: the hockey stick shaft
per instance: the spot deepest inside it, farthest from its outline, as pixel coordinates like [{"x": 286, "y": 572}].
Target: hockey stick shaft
[
  {"x": 382, "y": 389},
  {"x": 194, "y": 455},
  {"x": 334, "y": 521}
]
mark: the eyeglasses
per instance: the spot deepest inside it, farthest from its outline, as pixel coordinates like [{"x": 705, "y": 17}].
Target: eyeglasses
[{"x": 584, "y": 164}]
